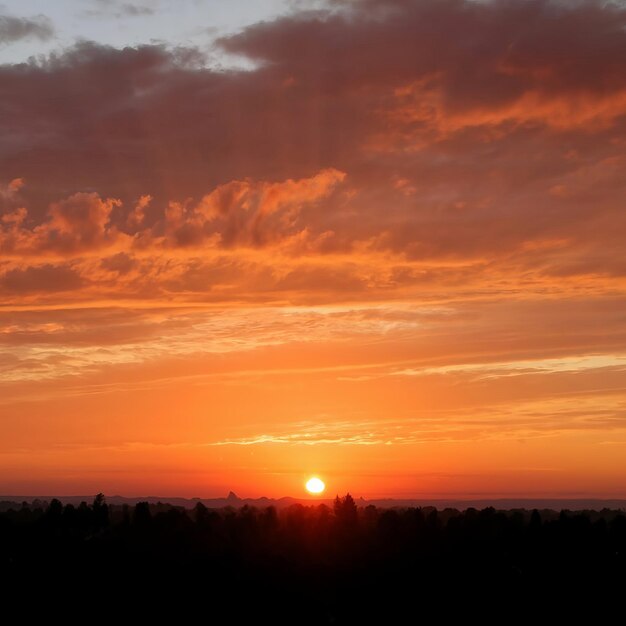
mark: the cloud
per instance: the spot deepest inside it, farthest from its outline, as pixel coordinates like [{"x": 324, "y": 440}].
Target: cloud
[
  {"x": 465, "y": 158},
  {"x": 461, "y": 58},
  {"x": 37, "y": 279},
  {"x": 521, "y": 105},
  {"x": 526, "y": 420},
  {"x": 137, "y": 215},
  {"x": 242, "y": 213},
  {"x": 9, "y": 194},
  {"x": 248, "y": 212},
  {"x": 77, "y": 224},
  {"x": 121, "y": 263},
  {"x": 521, "y": 368},
  {"x": 120, "y": 9},
  {"x": 16, "y": 28},
  {"x": 135, "y": 10}
]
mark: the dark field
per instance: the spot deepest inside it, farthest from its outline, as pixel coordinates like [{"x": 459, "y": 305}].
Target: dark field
[{"x": 310, "y": 564}]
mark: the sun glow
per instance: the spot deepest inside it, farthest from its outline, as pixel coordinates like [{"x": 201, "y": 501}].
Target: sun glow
[{"x": 315, "y": 485}]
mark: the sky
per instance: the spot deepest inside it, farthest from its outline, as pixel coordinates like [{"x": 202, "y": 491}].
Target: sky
[{"x": 376, "y": 241}]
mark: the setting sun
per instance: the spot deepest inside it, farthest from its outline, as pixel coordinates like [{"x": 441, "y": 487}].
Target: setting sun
[{"x": 315, "y": 485}]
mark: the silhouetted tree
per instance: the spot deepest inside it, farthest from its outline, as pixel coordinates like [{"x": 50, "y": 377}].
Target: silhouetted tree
[
  {"x": 337, "y": 505},
  {"x": 200, "y": 513},
  {"x": 345, "y": 510},
  {"x": 100, "y": 511},
  {"x": 126, "y": 514},
  {"x": 142, "y": 516},
  {"x": 535, "y": 520},
  {"x": 54, "y": 511}
]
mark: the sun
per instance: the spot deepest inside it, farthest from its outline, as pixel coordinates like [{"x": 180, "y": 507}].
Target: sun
[{"x": 315, "y": 485}]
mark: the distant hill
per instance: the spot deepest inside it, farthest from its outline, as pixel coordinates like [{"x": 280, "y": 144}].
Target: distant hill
[{"x": 572, "y": 504}]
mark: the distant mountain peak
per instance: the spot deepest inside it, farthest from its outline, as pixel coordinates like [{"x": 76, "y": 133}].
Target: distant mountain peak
[{"x": 233, "y": 497}]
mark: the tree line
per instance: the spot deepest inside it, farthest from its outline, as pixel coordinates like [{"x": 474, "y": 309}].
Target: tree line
[{"x": 328, "y": 564}]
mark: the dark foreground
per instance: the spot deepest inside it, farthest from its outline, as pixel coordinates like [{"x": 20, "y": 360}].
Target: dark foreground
[{"x": 310, "y": 564}]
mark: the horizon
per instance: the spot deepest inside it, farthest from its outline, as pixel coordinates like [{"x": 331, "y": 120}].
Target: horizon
[
  {"x": 327, "y": 497},
  {"x": 376, "y": 244}
]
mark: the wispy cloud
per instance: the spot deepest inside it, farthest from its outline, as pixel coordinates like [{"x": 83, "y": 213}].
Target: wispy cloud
[
  {"x": 521, "y": 368},
  {"x": 532, "y": 419}
]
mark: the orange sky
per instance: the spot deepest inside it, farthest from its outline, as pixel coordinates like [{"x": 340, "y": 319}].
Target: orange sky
[{"x": 389, "y": 251}]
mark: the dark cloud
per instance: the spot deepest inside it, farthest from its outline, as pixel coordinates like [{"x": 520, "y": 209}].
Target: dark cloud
[
  {"x": 44, "y": 278},
  {"x": 487, "y": 136},
  {"x": 482, "y": 53},
  {"x": 16, "y": 28}
]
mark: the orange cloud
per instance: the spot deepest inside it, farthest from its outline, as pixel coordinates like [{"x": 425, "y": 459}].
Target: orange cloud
[
  {"x": 239, "y": 213},
  {"x": 138, "y": 214},
  {"x": 249, "y": 213},
  {"x": 79, "y": 223}
]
